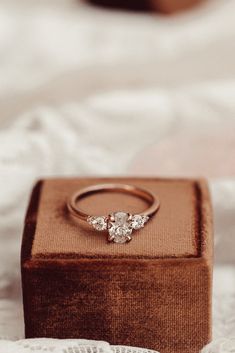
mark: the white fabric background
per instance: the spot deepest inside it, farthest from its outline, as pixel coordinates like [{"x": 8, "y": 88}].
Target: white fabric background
[{"x": 87, "y": 91}]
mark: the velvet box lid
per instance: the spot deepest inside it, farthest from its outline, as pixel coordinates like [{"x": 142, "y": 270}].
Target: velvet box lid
[{"x": 153, "y": 292}]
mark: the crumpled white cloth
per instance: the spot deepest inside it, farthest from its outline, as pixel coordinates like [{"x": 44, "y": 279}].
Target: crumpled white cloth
[
  {"x": 85, "y": 91},
  {"x": 221, "y": 345}
]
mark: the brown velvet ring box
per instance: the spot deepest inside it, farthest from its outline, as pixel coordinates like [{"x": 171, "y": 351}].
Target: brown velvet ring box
[{"x": 154, "y": 292}]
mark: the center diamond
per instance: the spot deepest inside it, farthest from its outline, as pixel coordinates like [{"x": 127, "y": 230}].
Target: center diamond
[{"x": 119, "y": 227}]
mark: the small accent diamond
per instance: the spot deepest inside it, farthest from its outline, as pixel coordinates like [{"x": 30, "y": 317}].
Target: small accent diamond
[
  {"x": 138, "y": 221},
  {"x": 98, "y": 222}
]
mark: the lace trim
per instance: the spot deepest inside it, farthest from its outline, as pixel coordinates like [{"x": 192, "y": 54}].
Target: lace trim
[{"x": 44, "y": 345}]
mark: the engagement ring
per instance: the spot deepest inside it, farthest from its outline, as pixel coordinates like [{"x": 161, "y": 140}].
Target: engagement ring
[{"x": 119, "y": 225}]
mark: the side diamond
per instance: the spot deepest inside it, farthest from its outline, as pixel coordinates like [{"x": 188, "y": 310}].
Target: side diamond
[
  {"x": 98, "y": 222},
  {"x": 138, "y": 221}
]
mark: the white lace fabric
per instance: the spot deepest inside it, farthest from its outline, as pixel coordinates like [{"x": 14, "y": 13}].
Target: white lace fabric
[{"x": 46, "y": 345}]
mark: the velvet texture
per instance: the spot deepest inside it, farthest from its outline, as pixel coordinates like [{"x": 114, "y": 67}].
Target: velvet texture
[{"x": 153, "y": 292}]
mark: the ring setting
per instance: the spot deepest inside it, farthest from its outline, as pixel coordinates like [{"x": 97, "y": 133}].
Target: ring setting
[{"x": 119, "y": 225}]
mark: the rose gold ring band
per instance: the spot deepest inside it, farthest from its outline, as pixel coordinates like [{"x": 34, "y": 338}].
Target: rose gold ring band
[{"x": 121, "y": 188}]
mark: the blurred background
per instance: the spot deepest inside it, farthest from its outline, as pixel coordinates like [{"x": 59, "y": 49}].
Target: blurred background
[{"x": 108, "y": 87}]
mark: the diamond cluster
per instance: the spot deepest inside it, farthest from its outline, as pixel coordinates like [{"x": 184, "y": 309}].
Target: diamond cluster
[{"x": 119, "y": 225}]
